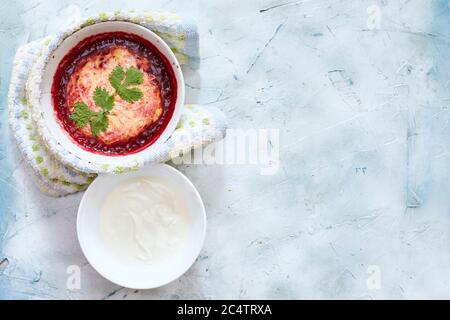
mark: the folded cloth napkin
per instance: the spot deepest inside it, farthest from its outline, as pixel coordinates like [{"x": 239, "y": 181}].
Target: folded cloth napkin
[{"x": 58, "y": 172}]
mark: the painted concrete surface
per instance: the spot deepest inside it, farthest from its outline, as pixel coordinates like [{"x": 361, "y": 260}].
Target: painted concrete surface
[{"x": 359, "y": 207}]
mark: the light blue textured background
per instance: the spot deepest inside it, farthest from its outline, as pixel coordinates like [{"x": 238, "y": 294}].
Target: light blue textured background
[{"x": 344, "y": 98}]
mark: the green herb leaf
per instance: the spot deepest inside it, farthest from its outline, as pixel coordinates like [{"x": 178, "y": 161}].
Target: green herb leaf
[
  {"x": 103, "y": 99},
  {"x": 130, "y": 95},
  {"x": 116, "y": 77},
  {"x": 133, "y": 76},
  {"x": 81, "y": 114},
  {"x": 99, "y": 123}
]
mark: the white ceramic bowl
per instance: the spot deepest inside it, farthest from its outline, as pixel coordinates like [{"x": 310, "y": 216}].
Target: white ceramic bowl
[
  {"x": 55, "y": 130},
  {"x": 141, "y": 276}
]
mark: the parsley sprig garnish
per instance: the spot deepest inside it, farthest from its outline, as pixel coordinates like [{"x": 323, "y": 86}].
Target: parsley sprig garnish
[
  {"x": 121, "y": 81},
  {"x": 132, "y": 77}
]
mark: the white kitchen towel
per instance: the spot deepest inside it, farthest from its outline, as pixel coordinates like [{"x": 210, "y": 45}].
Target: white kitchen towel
[{"x": 58, "y": 172}]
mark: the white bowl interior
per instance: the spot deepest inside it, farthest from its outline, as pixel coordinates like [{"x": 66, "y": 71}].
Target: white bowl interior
[
  {"x": 48, "y": 112},
  {"x": 139, "y": 276}
]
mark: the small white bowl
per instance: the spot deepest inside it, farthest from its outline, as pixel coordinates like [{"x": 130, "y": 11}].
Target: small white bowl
[
  {"x": 140, "y": 276},
  {"x": 55, "y": 131}
]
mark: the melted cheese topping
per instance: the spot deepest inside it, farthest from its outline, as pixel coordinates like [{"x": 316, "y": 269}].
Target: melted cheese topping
[{"x": 126, "y": 120}]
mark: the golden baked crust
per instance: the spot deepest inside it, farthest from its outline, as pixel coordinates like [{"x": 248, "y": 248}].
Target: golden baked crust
[{"x": 126, "y": 120}]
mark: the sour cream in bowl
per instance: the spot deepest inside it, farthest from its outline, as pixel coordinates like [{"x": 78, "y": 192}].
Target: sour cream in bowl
[{"x": 144, "y": 229}]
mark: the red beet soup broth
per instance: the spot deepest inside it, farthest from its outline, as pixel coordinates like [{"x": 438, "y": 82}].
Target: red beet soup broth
[{"x": 158, "y": 66}]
